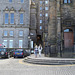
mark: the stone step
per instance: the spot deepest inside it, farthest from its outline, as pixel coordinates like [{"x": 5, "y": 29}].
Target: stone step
[{"x": 49, "y": 62}]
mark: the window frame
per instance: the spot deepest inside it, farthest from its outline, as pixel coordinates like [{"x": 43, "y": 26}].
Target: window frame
[
  {"x": 67, "y": 1},
  {"x": 21, "y": 19},
  {"x": 20, "y": 41},
  {"x": 22, "y": 1},
  {"x": 40, "y": 14},
  {"x": 46, "y": 8},
  {"x": 40, "y": 2},
  {"x": 10, "y": 1},
  {"x": 5, "y": 41},
  {"x": 22, "y": 33},
  {"x": 40, "y": 27},
  {"x": 40, "y": 8},
  {"x": 46, "y": 14},
  {"x": 9, "y": 33},
  {"x": 12, "y": 18},
  {"x": 40, "y": 21},
  {"x": 46, "y": 2},
  {"x": 6, "y": 19},
  {"x": 5, "y": 34},
  {"x": 9, "y": 44}
]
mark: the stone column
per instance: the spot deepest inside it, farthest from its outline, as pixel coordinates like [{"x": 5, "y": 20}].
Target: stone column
[
  {"x": 52, "y": 28},
  {"x": 33, "y": 21},
  {"x": 74, "y": 40},
  {"x": 58, "y": 29}
]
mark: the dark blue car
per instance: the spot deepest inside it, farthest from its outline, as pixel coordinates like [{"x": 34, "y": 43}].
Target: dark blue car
[
  {"x": 4, "y": 53},
  {"x": 19, "y": 53}
]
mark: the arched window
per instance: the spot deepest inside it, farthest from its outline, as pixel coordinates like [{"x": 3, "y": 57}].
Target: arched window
[
  {"x": 68, "y": 30},
  {"x": 67, "y": 1}
]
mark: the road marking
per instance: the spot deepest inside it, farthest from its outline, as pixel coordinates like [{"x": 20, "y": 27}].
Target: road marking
[{"x": 29, "y": 64}]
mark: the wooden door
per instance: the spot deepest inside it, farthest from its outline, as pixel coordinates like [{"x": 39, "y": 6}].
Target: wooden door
[{"x": 68, "y": 39}]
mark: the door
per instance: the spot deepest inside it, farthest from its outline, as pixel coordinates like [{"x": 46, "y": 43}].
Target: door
[{"x": 68, "y": 39}]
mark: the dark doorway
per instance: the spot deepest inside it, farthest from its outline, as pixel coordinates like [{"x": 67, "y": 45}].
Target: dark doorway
[{"x": 39, "y": 40}]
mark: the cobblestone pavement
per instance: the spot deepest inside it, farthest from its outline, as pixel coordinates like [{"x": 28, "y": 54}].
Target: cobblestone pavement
[{"x": 13, "y": 67}]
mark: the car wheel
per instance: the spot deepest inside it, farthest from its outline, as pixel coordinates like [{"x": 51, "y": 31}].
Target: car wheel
[
  {"x": 14, "y": 56},
  {"x": 23, "y": 56}
]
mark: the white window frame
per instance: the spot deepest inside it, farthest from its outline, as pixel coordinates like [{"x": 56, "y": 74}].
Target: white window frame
[
  {"x": 22, "y": 1},
  {"x": 10, "y": 43},
  {"x": 11, "y": 18},
  {"x": 21, "y": 18},
  {"x": 5, "y": 33},
  {"x": 6, "y": 18},
  {"x": 20, "y": 32},
  {"x": 12, "y": 33},
  {"x": 5, "y": 43},
  {"x": 46, "y": 2},
  {"x": 46, "y": 14},
  {"x": 40, "y": 21},
  {"x": 20, "y": 43}
]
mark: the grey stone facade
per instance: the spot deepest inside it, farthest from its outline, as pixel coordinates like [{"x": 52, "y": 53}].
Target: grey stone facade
[
  {"x": 15, "y": 7},
  {"x": 61, "y": 17},
  {"x": 33, "y": 22}
]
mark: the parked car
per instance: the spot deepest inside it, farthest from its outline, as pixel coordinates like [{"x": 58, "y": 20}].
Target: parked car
[
  {"x": 4, "y": 53},
  {"x": 19, "y": 53}
]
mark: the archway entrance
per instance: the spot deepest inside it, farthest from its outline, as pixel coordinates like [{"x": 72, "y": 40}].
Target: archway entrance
[
  {"x": 68, "y": 38},
  {"x": 39, "y": 40}
]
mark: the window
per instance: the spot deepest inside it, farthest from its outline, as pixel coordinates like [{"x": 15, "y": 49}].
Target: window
[
  {"x": 46, "y": 14},
  {"x": 12, "y": 18},
  {"x": 40, "y": 14},
  {"x": 6, "y": 18},
  {"x": 22, "y": 1},
  {"x": 46, "y": 2},
  {"x": 10, "y": 43},
  {"x": 20, "y": 33},
  {"x": 40, "y": 2},
  {"x": 40, "y": 8},
  {"x": 67, "y": 1},
  {"x": 40, "y": 27},
  {"x": 5, "y": 33},
  {"x": 40, "y": 21},
  {"x": 11, "y": 33},
  {"x": 21, "y": 18},
  {"x": 5, "y": 43},
  {"x": 20, "y": 43},
  {"x": 10, "y": 0},
  {"x": 46, "y": 8},
  {"x": 67, "y": 30}
]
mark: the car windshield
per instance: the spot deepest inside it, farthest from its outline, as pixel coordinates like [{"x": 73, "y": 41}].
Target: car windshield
[{"x": 2, "y": 49}]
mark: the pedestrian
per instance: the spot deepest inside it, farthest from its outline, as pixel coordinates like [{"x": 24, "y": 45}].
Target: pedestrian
[
  {"x": 40, "y": 50},
  {"x": 35, "y": 51}
]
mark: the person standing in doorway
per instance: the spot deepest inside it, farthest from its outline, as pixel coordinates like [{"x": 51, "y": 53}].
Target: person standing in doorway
[{"x": 40, "y": 50}]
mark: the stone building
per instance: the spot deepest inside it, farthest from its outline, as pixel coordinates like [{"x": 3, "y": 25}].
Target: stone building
[
  {"x": 14, "y": 23},
  {"x": 56, "y": 29},
  {"x": 61, "y": 29},
  {"x": 42, "y": 10},
  {"x": 49, "y": 22}
]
